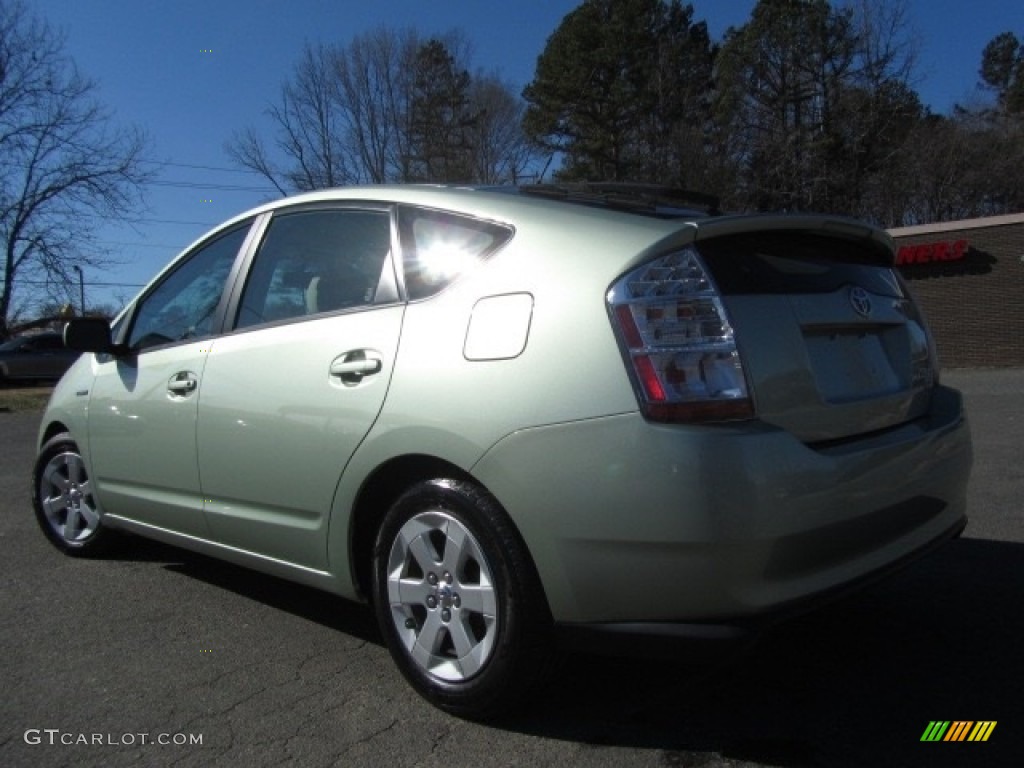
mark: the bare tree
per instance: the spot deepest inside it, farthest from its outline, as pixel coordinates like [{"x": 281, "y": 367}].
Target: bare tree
[
  {"x": 308, "y": 121},
  {"x": 501, "y": 153},
  {"x": 374, "y": 88},
  {"x": 389, "y": 107},
  {"x": 341, "y": 118},
  {"x": 61, "y": 162}
]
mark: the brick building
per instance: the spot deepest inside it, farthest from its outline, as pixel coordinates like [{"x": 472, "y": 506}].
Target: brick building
[{"x": 969, "y": 278}]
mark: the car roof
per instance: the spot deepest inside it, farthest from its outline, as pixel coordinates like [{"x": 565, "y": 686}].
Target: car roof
[
  {"x": 646, "y": 199},
  {"x": 657, "y": 200},
  {"x": 649, "y": 210},
  {"x": 500, "y": 204}
]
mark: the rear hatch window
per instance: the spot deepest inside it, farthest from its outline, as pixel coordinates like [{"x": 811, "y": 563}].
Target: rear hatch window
[{"x": 781, "y": 263}]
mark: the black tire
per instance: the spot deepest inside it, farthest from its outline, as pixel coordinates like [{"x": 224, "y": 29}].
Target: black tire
[
  {"x": 65, "y": 506},
  {"x": 476, "y": 565}
]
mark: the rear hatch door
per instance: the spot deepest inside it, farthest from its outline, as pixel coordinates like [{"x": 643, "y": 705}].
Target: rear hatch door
[{"x": 831, "y": 341}]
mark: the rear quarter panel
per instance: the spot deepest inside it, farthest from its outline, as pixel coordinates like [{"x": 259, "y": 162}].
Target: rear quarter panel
[{"x": 442, "y": 405}]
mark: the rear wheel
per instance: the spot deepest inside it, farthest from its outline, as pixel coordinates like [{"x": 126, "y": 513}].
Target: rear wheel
[
  {"x": 65, "y": 506},
  {"x": 458, "y": 600}
]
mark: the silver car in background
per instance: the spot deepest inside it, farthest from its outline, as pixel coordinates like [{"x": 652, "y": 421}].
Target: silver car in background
[{"x": 511, "y": 418}]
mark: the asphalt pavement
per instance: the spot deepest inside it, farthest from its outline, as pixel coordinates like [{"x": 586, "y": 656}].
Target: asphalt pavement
[{"x": 163, "y": 657}]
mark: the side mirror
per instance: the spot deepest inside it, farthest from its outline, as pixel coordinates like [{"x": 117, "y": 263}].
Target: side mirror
[{"x": 89, "y": 334}]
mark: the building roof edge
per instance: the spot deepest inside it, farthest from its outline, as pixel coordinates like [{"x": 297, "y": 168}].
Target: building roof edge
[{"x": 954, "y": 226}]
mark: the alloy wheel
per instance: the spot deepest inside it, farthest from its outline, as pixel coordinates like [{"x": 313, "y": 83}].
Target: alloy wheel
[
  {"x": 66, "y": 499},
  {"x": 442, "y": 596}
]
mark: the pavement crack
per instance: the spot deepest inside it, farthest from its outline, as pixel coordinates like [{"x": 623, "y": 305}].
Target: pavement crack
[{"x": 439, "y": 738}]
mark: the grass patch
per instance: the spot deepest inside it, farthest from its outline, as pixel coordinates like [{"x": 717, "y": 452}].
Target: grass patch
[{"x": 24, "y": 399}]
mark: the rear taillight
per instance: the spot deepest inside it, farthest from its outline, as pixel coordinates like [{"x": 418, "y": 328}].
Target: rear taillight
[
  {"x": 924, "y": 361},
  {"x": 678, "y": 343}
]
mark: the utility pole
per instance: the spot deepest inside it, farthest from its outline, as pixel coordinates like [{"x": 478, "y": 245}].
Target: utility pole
[{"x": 81, "y": 289}]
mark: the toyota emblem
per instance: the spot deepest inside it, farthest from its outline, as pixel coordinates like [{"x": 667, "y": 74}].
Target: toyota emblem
[{"x": 861, "y": 301}]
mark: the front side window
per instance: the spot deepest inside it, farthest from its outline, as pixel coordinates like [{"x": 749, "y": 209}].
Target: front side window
[
  {"x": 316, "y": 261},
  {"x": 184, "y": 305}
]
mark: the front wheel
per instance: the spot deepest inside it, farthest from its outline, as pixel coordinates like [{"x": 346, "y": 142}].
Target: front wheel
[
  {"x": 458, "y": 600},
  {"x": 65, "y": 506}
]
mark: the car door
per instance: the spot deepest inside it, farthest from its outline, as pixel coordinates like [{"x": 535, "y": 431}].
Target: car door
[
  {"x": 51, "y": 359},
  {"x": 143, "y": 405},
  {"x": 20, "y": 358},
  {"x": 288, "y": 396}
]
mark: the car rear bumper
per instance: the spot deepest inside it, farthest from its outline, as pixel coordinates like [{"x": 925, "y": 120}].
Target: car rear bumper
[
  {"x": 662, "y": 639},
  {"x": 637, "y": 524}
]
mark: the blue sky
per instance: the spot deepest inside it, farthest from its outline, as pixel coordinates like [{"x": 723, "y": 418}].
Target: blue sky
[{"x": 149, "y": 59}]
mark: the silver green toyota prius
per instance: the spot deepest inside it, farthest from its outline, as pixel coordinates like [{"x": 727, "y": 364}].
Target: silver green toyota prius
[{"x": 514, "y": 418}]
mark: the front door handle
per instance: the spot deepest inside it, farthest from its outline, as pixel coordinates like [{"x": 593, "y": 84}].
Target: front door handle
[
  {"x": 353, "y": 366},
  {"x": 182, "y": 384}
]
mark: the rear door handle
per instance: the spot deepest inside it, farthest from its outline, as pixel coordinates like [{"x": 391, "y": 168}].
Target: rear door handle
[
  {"x": 364, "y": 367},
  {"x": 353, "y": 366}
]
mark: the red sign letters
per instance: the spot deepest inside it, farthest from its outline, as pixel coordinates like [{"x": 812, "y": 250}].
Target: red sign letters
[{"x": 930, "y": 253}]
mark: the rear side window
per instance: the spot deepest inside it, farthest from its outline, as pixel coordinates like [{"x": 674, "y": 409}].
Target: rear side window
[
  {"x": 797, "y": 262},
  {"x": 311, "y": 262},
  {"x": 439, "y": 247}
]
